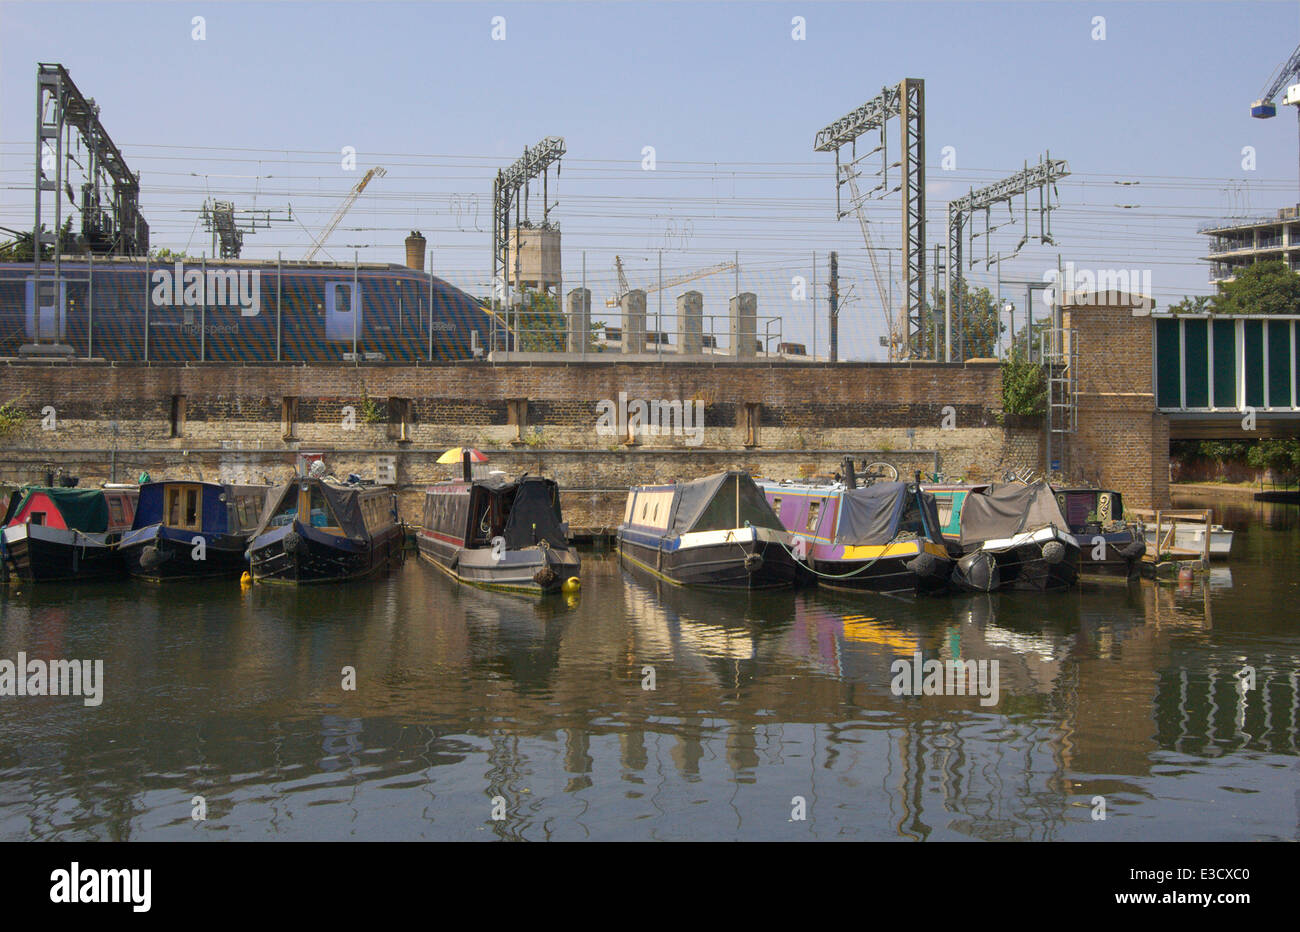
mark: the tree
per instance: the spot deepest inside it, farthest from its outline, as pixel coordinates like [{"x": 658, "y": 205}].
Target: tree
[
  {"x": 1024, "y": 386},
  {"x": 163, "y": 254},
  {"x": 982, "y": 315},
  {"x": 1263, "y": 288},
  {"x": 1280, "y": 455},
  {"x": 19, "y": 249},
  {"x": 1198, "y": 304}
]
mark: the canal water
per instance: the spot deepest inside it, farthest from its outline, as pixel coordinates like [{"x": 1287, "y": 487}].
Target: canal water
[{"x": 771, "y": 716}]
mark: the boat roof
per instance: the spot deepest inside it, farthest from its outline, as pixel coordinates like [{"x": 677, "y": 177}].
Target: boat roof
[
  {"x": 1009, "y": 509},
  {"x": 83, "y": 509}
]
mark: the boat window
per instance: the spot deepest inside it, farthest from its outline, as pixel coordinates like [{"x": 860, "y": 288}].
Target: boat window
[
  {"x": 116, "y": 516},
  {"x": 776, "y": 504},
  {"x": 184, "y": 504},
  {"x": 36, "y": 517},
  {"x": 814, "y": 509},
  {"x": 910, "y": 522},
  {"x": 321, "y": 515},
  {"x": 286, "y": 512}
]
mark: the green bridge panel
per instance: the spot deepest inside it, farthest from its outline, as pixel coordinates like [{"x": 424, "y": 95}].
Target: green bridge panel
[
  {"x": 1225, "y": 364},
  {"x": 1196, "y": 363},
  {"x": 1279, "y": 364},
  {"x": 1168, "y": 393},
  {"x": 1254, "y": 335}
]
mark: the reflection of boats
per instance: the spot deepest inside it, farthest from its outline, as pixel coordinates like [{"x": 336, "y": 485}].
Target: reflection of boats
[
  {"x": 1015, "y": 537},
  {"x": 66, "y": 533},
  {"x": 1220, "y": 577},
  {"x": 316, "y": 530},
  {"x": 716, "y": 532},
  {"x": 499, "y": 534},
  {"x": 1190, "y": 538},
  {"x": 191, "y": 530},
  {"x": 1107, "y": 543},
  {"x": 886, "y": 537}
]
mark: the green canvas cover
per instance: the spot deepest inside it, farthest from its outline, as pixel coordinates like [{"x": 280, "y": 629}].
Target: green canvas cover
[{"x": 82, "y": 509}]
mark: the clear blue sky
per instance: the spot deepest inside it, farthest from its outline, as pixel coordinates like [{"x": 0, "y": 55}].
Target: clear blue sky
[{"x": 259, "y": 110}]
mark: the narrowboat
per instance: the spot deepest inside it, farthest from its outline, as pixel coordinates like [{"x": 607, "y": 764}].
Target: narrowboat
[
  {"x": 885, "y": 537},
  {"x": 1107, "y": 543},
  {"x": 716, "y": 532},
  {"x": 499, "y": 534},
  {"x": 1014, "y": 537},
  {"x": 66, "y": 534},
  {"x": 317, "y": 530},
  {"x": 185, "y": 529},
  {"x": 948, "y": 500}
]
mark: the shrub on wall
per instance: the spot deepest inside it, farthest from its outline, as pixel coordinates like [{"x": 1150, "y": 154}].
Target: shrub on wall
[{"x": 1024, "y": 388}]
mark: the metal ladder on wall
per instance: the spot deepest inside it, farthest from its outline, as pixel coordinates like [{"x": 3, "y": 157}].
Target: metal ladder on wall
[{"x": 1059, "y": 352}]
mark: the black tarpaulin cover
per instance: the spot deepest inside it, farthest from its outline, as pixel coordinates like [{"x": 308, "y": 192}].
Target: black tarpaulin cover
[
  {"x": 721, "y": 502},
  {"x": 345, "y": 503},
  {"x": 877, "y": 514},
  {"x": 1009, "y": 509},
  {"x": 535, "y": 515}
]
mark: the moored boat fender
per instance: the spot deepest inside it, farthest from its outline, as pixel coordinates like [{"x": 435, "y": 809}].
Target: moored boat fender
[
  {"x": 1134, "y": 550},
  {"x": 545, "y": 577},
  {"x": 753, "y": 562},
  {"x": 1053, "y": 552},
  {"x": 979, "y": 571},
  {"x": 923, "y": 564},
  {"x": 292, "y": 543},
  {"x": 152, "y": 556}
]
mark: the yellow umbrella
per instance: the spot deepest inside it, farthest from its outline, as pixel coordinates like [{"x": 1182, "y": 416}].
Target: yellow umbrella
[{"x": 457, "y": 455}]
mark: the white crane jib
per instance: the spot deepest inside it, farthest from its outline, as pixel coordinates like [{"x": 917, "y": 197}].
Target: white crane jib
[
  {"x": 851, "y": 177},
  {"x": 377, "y": 172}
]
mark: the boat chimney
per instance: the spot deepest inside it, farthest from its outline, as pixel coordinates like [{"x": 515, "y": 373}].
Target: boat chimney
[
  {"x": 466, "y": 469},
  {"x": 850, "y": 477}
]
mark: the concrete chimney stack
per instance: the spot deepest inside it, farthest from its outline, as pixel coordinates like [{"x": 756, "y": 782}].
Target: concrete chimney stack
[{"x": 415, "y": 244}]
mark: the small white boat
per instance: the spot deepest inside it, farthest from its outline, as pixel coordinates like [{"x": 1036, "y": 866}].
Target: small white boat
[{"x": 1189, "y": 539}]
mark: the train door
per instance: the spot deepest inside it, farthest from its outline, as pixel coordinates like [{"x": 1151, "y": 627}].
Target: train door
[
  {"x": 50, "y": 322},
  {"x": 343, "y": 311}
]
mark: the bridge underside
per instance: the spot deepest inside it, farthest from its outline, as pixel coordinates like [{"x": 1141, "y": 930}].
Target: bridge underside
[{"x": 1228, "y": 426}]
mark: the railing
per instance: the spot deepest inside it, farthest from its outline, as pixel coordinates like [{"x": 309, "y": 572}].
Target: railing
[
  {"x": 650, "y": 337},
  {"x": 1166, "y": 528}
]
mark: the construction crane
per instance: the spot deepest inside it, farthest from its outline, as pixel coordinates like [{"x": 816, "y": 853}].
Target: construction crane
[
  {"x": 895, "y": 328},
  {"x": 1264, "y": 108},
  {"x": 667, "y": 282},
  {"x": 377, "y": 172}
]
